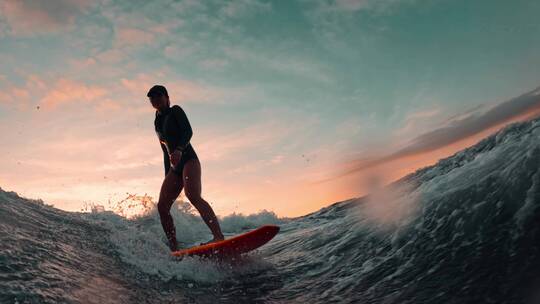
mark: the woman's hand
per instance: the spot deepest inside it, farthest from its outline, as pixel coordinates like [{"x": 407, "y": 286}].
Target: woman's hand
[{"x": 175, "y": 157}]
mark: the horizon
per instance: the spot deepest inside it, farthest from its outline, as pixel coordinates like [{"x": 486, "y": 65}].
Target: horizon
[{"x": 294, "y": 106}]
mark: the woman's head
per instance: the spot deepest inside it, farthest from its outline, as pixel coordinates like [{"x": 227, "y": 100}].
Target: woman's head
[{"x": 159, "y": 97}]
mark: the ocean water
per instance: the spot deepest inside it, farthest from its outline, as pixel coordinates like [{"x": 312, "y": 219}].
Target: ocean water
[{"x": 465, "y": 230}]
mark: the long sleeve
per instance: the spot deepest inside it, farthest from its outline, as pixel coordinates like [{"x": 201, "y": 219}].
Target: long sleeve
[
  {"x": 166, "y": 160},
  {"x": 185, "y": 127}
]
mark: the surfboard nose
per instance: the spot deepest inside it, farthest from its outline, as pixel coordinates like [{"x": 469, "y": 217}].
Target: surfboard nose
[{"x": 270, "y": 230}]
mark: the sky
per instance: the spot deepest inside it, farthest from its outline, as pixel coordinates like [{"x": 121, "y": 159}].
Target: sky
[{"x": 294, "y": 104}]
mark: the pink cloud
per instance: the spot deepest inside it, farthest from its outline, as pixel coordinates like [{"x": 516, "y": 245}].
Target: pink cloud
[
  {"x": 67, "y": 90},
  {"x": 15, "y": 97},
  {"x": 27, "y": 17},
  {"x": 136, "y": 29},
  {"x": 49, "y": 93},
  {"x": 21, "y": 96},
  {"x": 181, "y": 90},
  {"x": 139, "y": 85}
]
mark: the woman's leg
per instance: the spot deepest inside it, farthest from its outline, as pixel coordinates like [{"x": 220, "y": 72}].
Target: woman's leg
[
  {"x": 170, "y": 189},
  {"x": 192, "y": 185}
]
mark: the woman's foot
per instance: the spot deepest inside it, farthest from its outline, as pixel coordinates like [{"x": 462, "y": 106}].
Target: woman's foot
[
  {"x": 173, "y": 245},
  {"x": 213, "y": 240}
]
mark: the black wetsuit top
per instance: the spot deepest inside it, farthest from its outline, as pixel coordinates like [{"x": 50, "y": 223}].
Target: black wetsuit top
[{"x": 174, "y": 132}]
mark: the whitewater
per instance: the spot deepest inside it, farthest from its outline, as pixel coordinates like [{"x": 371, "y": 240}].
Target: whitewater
[{"x": 465, "y": 230}]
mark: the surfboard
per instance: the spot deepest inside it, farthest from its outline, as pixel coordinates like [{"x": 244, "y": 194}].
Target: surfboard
[{"x": 234, "y": 246}]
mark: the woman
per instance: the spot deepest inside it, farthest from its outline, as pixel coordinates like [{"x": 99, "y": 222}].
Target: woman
[{"x": 182, "y": 166}]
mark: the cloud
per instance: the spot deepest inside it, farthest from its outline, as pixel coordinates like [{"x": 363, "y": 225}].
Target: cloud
[
  {"x": 325, "y": 7},
  {"x": 261, "y": 136},
  {"x": 129, "y": 36},
  {"x": 28, "y": 17},
  {"x": 50, "y": 92},
  {"x": 458, "y": 129},
  {"x": 285, "y": 63},
  {"x": 256, "y": 166},
  {"x": 67, "y": 91},
  {"x": 178, "y": 53},
  {"x": 188, "y": 6},
  {"x": 265, "y": 130},
  {"x": 213, "y": 64},
  {"x": 417, "y": 120},
  {"x": 111, "y": 56},
  {"x": 15, "y": 97},
  {"x": 351, "y": 5},
  {"x": 82, "y": 64},
  {"x": 331, "y": 19},
  {"x": 241, "y": 8},
  {"x": 22, "y": 97},
  {"x": 142, "y": 24},
  {"x": 186, "y": 91}
]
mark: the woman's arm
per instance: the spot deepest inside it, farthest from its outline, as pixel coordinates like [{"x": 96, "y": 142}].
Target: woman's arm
[
  {"x": 166, "y": 160},
  {"x": 185, "y": 127}
]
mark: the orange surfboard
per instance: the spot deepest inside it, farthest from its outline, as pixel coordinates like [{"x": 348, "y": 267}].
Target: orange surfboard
[{"x": 234, "y": 246}]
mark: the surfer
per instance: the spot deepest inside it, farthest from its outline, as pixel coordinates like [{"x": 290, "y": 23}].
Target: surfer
[{"x": 182, "y": 166}]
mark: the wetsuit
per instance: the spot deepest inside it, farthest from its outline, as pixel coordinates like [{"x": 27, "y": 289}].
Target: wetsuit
[{"x": 174, "y": 132}]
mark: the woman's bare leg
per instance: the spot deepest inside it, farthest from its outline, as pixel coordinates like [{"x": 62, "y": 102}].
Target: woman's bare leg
[
  {"x": 170, "y": 189},
  {"x": 192, "y": 185}
]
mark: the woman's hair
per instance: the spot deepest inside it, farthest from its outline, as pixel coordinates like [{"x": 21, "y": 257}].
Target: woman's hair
[{"x": 157, "y": 90}]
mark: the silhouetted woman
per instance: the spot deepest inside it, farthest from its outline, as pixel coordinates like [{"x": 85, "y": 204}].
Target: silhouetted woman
[{"x": 182, "y": 166}]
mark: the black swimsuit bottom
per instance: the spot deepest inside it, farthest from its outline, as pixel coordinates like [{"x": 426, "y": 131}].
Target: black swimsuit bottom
[
  {"x": 174, "y": 132},
  {"x": 188, "y": 154}
]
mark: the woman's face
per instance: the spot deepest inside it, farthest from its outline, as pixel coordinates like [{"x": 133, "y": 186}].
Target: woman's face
[{"x": 159, "y": 101}]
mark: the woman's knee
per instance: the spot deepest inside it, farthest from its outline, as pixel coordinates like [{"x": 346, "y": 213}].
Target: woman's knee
[
  {"x": 192, "y": 195},
  {"x": 164, "y": 207}
]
